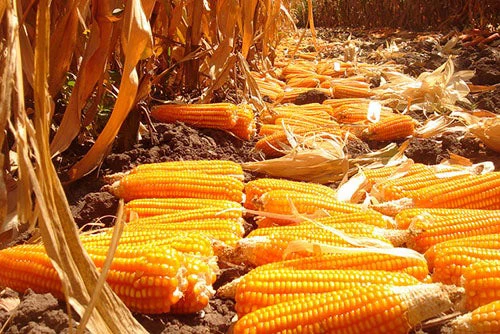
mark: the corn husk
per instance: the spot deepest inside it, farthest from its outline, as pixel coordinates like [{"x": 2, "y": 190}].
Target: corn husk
[{"x": 486, "y": 128}]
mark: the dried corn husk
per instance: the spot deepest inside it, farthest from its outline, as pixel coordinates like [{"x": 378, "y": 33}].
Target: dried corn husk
[{"x": 486, "y": 128}]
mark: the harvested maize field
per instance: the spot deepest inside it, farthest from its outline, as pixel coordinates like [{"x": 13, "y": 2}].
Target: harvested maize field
[{"x": 351, "y": 185}]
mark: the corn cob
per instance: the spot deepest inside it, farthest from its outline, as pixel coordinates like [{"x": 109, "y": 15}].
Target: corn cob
[
  {"x": 405, "y": 217},
  {"x": 306, "y": 121},
  {"x": 334, "y": 103},
  {"x": 286, "y": 201},
  {"x": 185, "y": 242},
  {"x": 214, "y": 115},
  {"x": 344, "y": 91},
  {"x": 295, "y": 112},
  {"x": 425, "y": 234},
  {"x": 390, "y": 128},
  {"x": 147, "y": 207},
  {"x": 270, "y": 89},
  {"x": 377, "y": 175},
  {"x": 216, "y": 167},
  {"x": 200, "y": 276},
  {"x": 349, "y": 115},
  {"x": 264, "y": 287},
  {"x": 148, "y": 279},
  {"x": 266, "y": 245},
  {"x": 373, "y": 309},
  {"x": 202, "y": 225},
  {"x": 357, "y": 258},
  {"x": 255, "y": 189},
  {"x": 471, "y": 192},
  {"x": 306, "y": 82},
  {"x": 245, "y": 126},
  {"x": 481, "y": 281},
  {"x": 178, "y": 184},
  {"x": 410, "y": 185},
  {"x": 483, "y": 320},
  {"x": 291, "y": 94}
]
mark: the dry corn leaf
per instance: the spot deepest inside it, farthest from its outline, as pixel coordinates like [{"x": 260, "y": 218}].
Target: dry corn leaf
[
  {"x": 486, "y": 128},
  {"x": 76, "y": 270},
  {"x": 137, "y": 44},
  {"x": 90, "y": 73},
  {"x": 247, "y": 24}
]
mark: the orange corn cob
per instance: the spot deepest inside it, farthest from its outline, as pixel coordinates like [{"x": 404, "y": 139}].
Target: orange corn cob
[
  {"x": 217, "y": 167},
  {"x": 483, "y": 320},
  {"x": 306, "y": 121},
  {"x": 347, "y": 101},
  {"x": 266, "y": 245},
  {"x": 303, "y": 82},
  {"x": 374, "y": 309},
  {"x": 185, "y": 242},
  {"x": 406, "y": 217},
  {"x": 382, "y": 174},
  {"x": 349, "y": 115},
  {"x": 245, "y": 126},
  {"x": 286, "y": 201},
  {"x": 472, "y": 192},
  {"x": 481, "y": 281},
  {"x": 264, "y": 287},
  {"x": 357, "y": 258},
  {"x": 290, "y": 95},
  {"x": 410, "y": 185},
  {"x": 214, "y": 115},
  {"x": 190, "y": 215},
  {"x": 344, "y": 91},
  {"x": 200, "y": 276},
  {"x": 147, "y": 278},
  {"x": 256, "y": 188},
  {"x": 390, "y": 128},
  {"x": 147, "y": 207},
  {"x": 178, "y": 184},
  {"x": 202, "y": 225},
  {"x": 296, "y": 112},
  {"x": 425, "y": 234}
]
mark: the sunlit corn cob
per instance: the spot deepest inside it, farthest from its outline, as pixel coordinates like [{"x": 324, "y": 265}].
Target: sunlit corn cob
[
  {"x": 307, "y": 82},
  {"x": 373, "y": 309},
  {"x": 147, "y": 207},
  {"x": 472, "y": 192},
  {"x": 273, "y": 129},
  {"x": 185, "y": 242},
  {"x": 213, "y": 115},
  {"x": 178, "y": 184},
  {"x": 202, "y": 225},
  {"x": 200, "y": 276},
  {"x": 266, "y": 245},
  {"x": 256, "y": 188},
  {"x": 410, "y": 184},
  {"x": 347, "y": 101},
  {"x": 301, "y": 67},
  {"x": 390, "y": 128},
  {"x": 264, "y": 287},
  {"x": 358, "y": 114},
  {"x": 306, "y": 121},
  {"x": 427, "y": 233},
  {"x": 216, "y": 167},
  {"x": 149, "y": 279},
  {"x": 190, "y": 215},
  {"x": 357, "y": 258},
  {"x": 450, "y": 263},
  {"x": 314, "y": 110},
  {"x": 481, "y": 281},
  {"x": 406, "y": 217},
  {"x": 345, "y": 91},
  {"x": 270, "y": 88},
  {"x": 245, "y": 126},
  {"x": 376, "y": 175},
  {"x": 483, "y": 320},
  {"x": 286, "y": 202}
]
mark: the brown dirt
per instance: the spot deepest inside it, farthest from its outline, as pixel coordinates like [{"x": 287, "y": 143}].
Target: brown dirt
[{"x": 43, "y": 314}]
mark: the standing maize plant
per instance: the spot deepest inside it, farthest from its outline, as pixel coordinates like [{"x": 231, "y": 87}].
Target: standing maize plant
[
  {"x": 483, "y": 320},
  {"x": 178, "y": 184},
  {"x": 265, "y": 287},
  {"x": 215, "y": 115},
  {"x": 376, "y": 308},
  {"x": 481, "y": 283}
]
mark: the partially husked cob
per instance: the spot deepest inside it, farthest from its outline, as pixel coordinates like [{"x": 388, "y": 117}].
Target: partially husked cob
[
  {"x": 348, "y": 91},
  {"x": 266, "y": 245},
  {"x": 256, "y": 188},
  {"x": 360, "y": 259},
  {"x": 215, "y": 167},
  {"x": 265, "y": 287},
  {"x": 427, "y": 233},
  {"x": 377, "y": 309},
  {"x": 149, "y": 279},
  {"x": 313, "y": 110},
  {"x": 178, "y": 184},
  {"x": 383, "y": 174},
  {"x": 390, "y": 128},
  {"x": 147, "y": 207},
  {"x": 213, "y": 115},
  {"x": 483, "y": 320},
  {"x": 245, "y": 126},
  {"x": 481, "y": 281}
]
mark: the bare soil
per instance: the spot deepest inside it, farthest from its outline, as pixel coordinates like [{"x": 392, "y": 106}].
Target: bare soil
[{"x": 39, "y": 313}]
